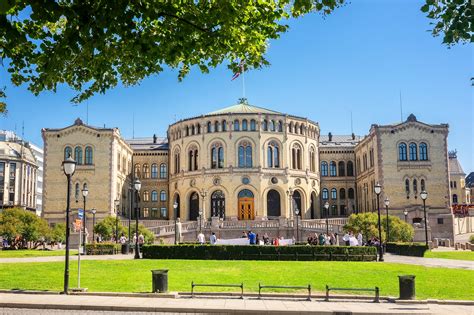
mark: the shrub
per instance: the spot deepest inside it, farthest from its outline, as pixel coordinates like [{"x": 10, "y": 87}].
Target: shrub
[
  {"x": 471, "y": 239},
  {"x": 147, "y": 234},
  {"x": 103, "y": 248},
  {"x": 236, "y": 252},
  {"x": 58, "y": 233},
  {"x": 106, "y": 228},
  {"x": 367, "y": 224},
  {"x": 407, "y": 249}
]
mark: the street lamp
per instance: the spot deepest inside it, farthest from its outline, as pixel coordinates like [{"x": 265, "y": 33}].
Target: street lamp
[
  {"x": 85, "y": 192},
  {"x": 116, "y": 203},
  {"x": 175, "y": 207},
  {"x": 200, "y": 220},
  {"x": 423, "y": 196},
  {"x": 378, "y": 190},
  {"x": 69, "y": 167},
  {"x": 387, "y": 203},
  {"x": 326, "y": 206},
  {"x": 406, "y": 214},
  {"x": 297, "y": 212},
  {"x": 137, "y": 185},
  {"x": 93, "y": 224}
]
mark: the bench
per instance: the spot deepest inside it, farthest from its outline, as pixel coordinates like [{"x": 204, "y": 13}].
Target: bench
[
  {"x": 376, "y": 290},
  {"x": 241, "y": 286},
  {"x": 260, "y": 287}
]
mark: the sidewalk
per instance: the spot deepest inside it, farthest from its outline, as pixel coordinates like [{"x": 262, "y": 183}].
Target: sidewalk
[
  {"x": 430, "y": 262},
  {"x": 83, "y": 303},
  {"x": 61, "y": 258}
]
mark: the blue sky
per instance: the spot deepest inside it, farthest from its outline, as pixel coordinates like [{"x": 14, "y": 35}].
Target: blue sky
[{"x": 357, "y": 59}]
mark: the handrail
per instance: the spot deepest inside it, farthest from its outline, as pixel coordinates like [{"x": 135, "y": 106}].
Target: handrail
[
  {"x": 376, "y": 290},
  {"x": 260, "y": 287},
  {"x": 241, "y": 286}
]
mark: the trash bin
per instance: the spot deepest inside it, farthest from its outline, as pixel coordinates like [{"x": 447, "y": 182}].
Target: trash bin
[
  {"x": 407, "y": 287},
  {"x": 125, "y": 249},
  {"x": 159, "y": 280}
]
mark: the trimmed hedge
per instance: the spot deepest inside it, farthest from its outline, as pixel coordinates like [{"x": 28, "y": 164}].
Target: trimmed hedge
[
  {"x": 407, "y": 249},
  {"x": 239, "y": 252},
  {"x": 103, "y": 248}
]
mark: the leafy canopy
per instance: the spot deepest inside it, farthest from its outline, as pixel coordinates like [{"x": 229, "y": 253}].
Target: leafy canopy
[{"x": 22, "y": 228}]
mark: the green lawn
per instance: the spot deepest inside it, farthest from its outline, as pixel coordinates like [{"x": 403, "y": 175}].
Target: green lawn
[
  {"x": 135, "y": 276},
  {"x": 33, "y": 253},
  {"x": 458, "y": 255}
]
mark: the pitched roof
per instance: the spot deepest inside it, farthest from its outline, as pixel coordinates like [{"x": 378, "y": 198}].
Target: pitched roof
[
  {"x": 148, "y": 143},
  {"x": 470, "y": 180},
  {"x": 243, "y": 108},
  {"x": 454, "y": 165},
  {"x": 338, "y": 140}
]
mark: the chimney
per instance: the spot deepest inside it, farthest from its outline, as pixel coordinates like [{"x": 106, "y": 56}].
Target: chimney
[
  {"x": 353, "y": 136},
  {"x": 154, "y": 138},
  {"x": 330, "y": 136}
]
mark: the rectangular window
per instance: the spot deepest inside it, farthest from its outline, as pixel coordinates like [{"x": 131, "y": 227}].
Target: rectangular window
[
  {"x": 2, "y": 175},
  {"x": 12, "y": 175},
  {"x": 164, "y": 213},
  {"x": 440, "y": 221},
  {"x": 146, "y": 212},
  {"x": 154, "y": 213}
]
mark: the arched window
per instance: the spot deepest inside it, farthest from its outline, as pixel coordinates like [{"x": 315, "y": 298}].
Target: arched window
[
  {"x": 324, "y": 168},
  {"x": 217, "y": 155},
  {"x": 162, "y": 195},
  {"x": 407, "y": 187},
  {"x": 332, "y": 169},
  {"x": 325, "y": 194},
  {"x": 342, "y": 194},
  {"x": 187, "y": 131},
  {"x": 423, "y": 152},
  {"x": 271, "y": 125},
  {"x": 253, "y": 127},
  {"x": 146, "y": 195},
  {"x": 77, "y": 191},
  {"x": 216, "y": 126},
  {"x": 413, "y": 153},
  {"x": 154, "y": 195},
  {"x": 351, "y": 193},
  {"x": 193, "y": 159},
  {"x": 137, "y": 173},
  {"x": 67, "y": 152},
  {"x": 273, "y": 155},
  {"x": 89, "y": 157},
  {"x": 402, "y": 151},
  {"x": 236, "y": 125},
  {"x": 341, "y": 168},
  {"x": 78, "y": 155},
  {"x": 334, "y": 194},
  {"x": 198, "y": 129},
  {"x": 301, "y": 130},
  {"x": 224, "y": 125},
  {"x": 296, "y": 156},
  {"x": 146, "y": 171},
  {"x": 264, "y": 125},
  {"x": 415, "y": 187},
  {"x": 154, "y": 171},
  {"x": 455, "y": 198},
  {"x": 312, "y": 159},
  {"x": 193, "y": 130},
  {"x": 244, "y": 125},
  {"x": 163, "y": 171},
  {"x": 290, "y": 127},
  {"x": 245, "y": 154},
  {"x": 209, "y": 127},
  {"x": 177, "y": 162},
  {"x": 350, "y": 168},
  {"x": 422, "y": 185},
  {"x": 280, "y": 126}
]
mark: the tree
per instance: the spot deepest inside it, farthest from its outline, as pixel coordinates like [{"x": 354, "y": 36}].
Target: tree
[
  {"x": 58, "y": 233},
  {"x": 147, "y": 234},
  {"x": 367, "y": 224},
  {"x": 106, "y": 227},
  {"x": 22, "y": 228}
]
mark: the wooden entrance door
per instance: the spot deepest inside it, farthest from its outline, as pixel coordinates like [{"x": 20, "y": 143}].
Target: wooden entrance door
[{"x": 246, "y": 210}]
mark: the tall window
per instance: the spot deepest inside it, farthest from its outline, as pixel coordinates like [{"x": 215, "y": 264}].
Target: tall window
[
  {"x": 245, "y": 154},
  {"x": 162, "y": 195},
  {"x": 67, "y": 152},
  {"x": 216, "y": 126},
  {"x": 332, "y": 169},
  {"x": 271, "y": 125},
  {"x": 402, "y": 151},
  {"x": 324, "y": 168},
  {"x": 244, "y": 125},
  {"x": 177, "y": 159},
  {"x": 423, "y": 152},
  {"x": 371, "y": 157},
  {"x": 136, "y": 171},
  {"x": 296, "y": 156},
  {"x": 264, "y": 125},
  {"x": 407, "y": 187},
  {"x": 163, "y": 171},
  {"x": 217, "y": 156},
  {"x": 154, "y": 171},
  {"x": 146, "y": 171},
  {"x": 280, "y": 126},
  {"x": 413, "y": 154},
  {"x": 455, "y": 198},
  {"x": 252, "y": 125},
  {"x": 351, "y": 193},
  {"x": 312, "y": 159},
  {"x": 193, "y": 159},
  {"x": 154, "y": 195},
  {"x": 273, "y": 154},
  {"x": 342, "y": 194},
  {"x": 146, "y": 195},
  {"x": 78, "y": 155},
  {"x": 341, "y": 168},
  {"x": 236, "y": 125},
  {"x": 415, "y": 187},
  {"x": 350, "y": 168},
  {"x": 334, "y": 194},
  {"x": 89, "y": 156},
  {"x": 325, "y": 194},
  {"x": 209, "y": 127},
  {"x": 290, "y": 127},
  {"x": 422, "y": 185},
  {"x": 224, "y": 125},
  {"x": 77, "y": 191}
]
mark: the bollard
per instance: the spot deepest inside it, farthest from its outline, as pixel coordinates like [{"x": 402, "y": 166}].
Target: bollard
[
  {"x": 159, "y": 280},
  {"x": 407, "y": 287}
]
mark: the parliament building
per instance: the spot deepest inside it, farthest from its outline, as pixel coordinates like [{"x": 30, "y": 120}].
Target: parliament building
[{"x": 245, "y": 162}]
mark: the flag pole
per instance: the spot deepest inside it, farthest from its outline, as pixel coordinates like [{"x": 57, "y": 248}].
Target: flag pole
[{"x": 243, "y": 80}]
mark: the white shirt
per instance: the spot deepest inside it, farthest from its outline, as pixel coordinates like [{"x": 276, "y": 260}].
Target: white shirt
[
  {"x": 201, "y": 238},
  {"x": 359, "y": 239},
  {"x": 213, "y": 239},
  {"x": 353, "y": 241}
]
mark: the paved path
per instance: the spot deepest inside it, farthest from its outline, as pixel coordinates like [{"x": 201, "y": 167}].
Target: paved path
[
  {"x": 11, "y": 303},
  {"x": 61, "y": 258},
  {"x": 430, "y": 262}
]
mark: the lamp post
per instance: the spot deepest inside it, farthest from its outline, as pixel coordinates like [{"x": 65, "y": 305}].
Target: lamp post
[
  {"x": 175, "y": 207},
  {"x": 200, "y": 220},
  {"x": 69, "y": 167},
  {"x": 378, "y": 190},
  {"x": 93, "y": 224},
  {"x": 406, "y": 214},
  {"x": 326, "y": 206},
  {"x": 132, "y": 192},
  {"x": 116, "y": 203},
  {"x": 85, "y": 192},
  {"x": 137, "y": 185},
  {"x": 297, "y": 212},
  {"x": 423, "y": 196},
  {"x": 387, "y": 203}
]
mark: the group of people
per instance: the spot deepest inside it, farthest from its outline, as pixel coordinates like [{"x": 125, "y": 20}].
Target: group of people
[
  {"x": 323, "y": 239},
  {"x": 348, "y": 239}
]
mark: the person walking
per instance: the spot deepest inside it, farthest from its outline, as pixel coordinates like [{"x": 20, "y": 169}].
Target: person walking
[
  {"x": 359, "y": 239},
  {"x": 213, "y": 239},
  {"x": 346, "y": 238},
  {"x": 252, "y": 238},
  {"x": 201, "y": 238},
  {"x": 322, "y": 239}
]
